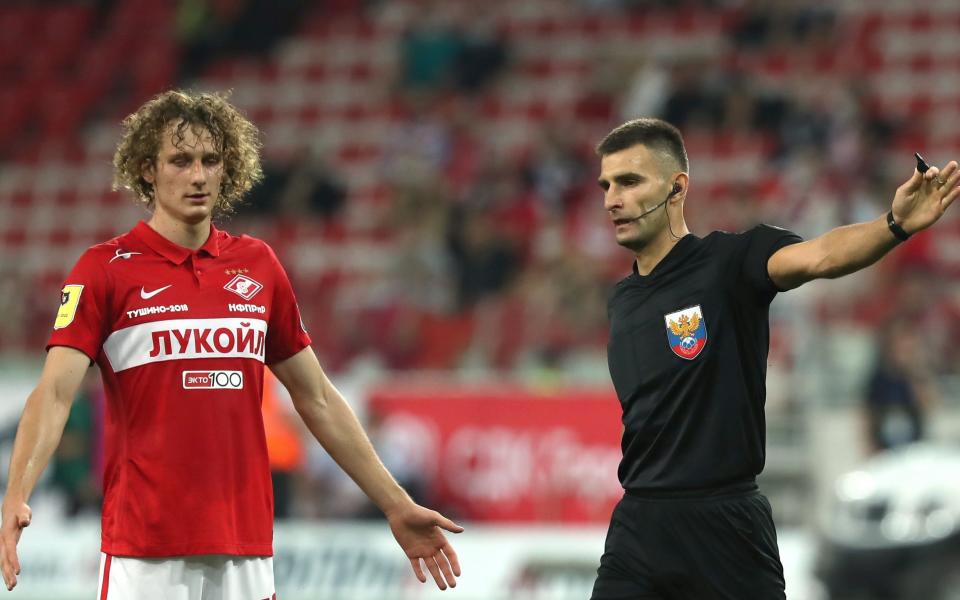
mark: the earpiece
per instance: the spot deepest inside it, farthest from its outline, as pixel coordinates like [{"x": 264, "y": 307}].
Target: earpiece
[{"x": 677, "y": 188}]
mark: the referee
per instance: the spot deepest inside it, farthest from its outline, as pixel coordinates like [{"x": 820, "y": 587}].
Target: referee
[{"x": 689, "y": 337}]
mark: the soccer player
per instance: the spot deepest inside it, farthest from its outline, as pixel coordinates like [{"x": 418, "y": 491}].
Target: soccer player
[
  {"x": 181, "y": 317},
  {"x": 689, "y": 337}
]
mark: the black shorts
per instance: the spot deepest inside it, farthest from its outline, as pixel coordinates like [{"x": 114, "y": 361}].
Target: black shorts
[{"x": 715, "y": 545}]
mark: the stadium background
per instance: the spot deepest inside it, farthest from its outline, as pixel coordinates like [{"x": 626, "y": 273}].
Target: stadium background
[{"x": 430, "y": 187}]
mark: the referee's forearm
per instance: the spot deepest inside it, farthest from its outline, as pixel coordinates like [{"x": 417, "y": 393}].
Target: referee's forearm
[{"x": 849, "y": 248}]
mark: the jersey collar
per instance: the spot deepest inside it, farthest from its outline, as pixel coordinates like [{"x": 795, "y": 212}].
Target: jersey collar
[
  {"x": 173, "y": 252},
  {"x": 680, "y": 251}
]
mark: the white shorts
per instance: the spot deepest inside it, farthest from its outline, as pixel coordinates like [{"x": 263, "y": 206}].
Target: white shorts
[{"x": 202, "y": 577}]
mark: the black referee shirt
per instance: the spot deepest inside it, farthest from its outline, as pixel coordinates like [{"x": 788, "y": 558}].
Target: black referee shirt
[{"x": 687, "y": 355}]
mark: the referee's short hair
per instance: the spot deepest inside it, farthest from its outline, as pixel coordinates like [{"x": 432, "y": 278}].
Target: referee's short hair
[{"x": 655, "y": 134}]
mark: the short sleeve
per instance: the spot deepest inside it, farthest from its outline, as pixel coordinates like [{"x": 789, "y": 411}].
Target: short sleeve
[
  {"x": 81, "y": 321},
  {"x": 761, "y": 243},
  {"x": 286, "y": 334}
]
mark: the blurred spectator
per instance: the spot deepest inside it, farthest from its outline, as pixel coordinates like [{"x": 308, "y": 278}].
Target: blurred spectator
[
  {"x": 311, "y": 187},
  {"x": 202, "y": 28},
  {"x": 284, "y": 432},
  {"x": 482, "y": 55},
  {"x": 296, "y": 185},
  {"x": 554, "y": 169},
  {"x": 690, "y": 104},
  {"x": 757, "y": 24},
  {"x": 211, "y": 29},
  {"x": 647, "y": 92},
  {"x": 485, "y": 259},
  {"x": 421, "y": 269},
  {"x": 14, "y": 307},
  {"x": 431, "y": 48},
  {"x": 763, "y": 25},
  {"x": 418, "y": 149},
  {"x": 447, "y": 48},
  {"x": 900, "y": 389},
  {"x": 264, "y": 198}
]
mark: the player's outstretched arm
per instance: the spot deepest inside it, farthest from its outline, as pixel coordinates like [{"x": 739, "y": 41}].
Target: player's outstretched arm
[
  {"x": 331, "y": 420},
  {"x": 917, "y": 204},
  {"x": 41, "y": 426}
]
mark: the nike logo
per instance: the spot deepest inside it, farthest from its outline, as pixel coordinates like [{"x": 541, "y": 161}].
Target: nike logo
[
  {"x": 121, "y": 254},
  {"x": 147, "y": 295}
]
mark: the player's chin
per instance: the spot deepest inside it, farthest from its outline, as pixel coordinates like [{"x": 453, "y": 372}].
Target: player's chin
[{"x": 196, "y": 213}]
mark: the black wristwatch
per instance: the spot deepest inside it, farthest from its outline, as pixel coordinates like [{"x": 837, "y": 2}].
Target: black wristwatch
[{"x": 897, "y": 231}]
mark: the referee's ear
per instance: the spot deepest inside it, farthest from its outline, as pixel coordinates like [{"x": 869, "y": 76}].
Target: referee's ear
[{"x": 679, "y": 190}]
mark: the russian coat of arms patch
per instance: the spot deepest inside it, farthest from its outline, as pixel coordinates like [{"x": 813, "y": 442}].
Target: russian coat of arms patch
[{"x": 686, "y": 332}]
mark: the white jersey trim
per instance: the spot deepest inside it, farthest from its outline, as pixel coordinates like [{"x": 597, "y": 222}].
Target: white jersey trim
[{"x": 184, "y": 339}]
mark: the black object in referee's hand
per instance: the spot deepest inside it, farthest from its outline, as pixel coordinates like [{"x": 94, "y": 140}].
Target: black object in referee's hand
[{"x": 922, "y": 165}]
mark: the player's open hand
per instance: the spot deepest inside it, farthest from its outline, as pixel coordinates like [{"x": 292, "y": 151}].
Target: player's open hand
[
  {"x": 418, "y": 531},
  {"x": 923, "y": 199},
  {"x": 15, "y": 517}
]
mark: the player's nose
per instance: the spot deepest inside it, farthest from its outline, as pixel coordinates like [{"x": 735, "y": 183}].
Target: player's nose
[{"x": 198, "y": 173}]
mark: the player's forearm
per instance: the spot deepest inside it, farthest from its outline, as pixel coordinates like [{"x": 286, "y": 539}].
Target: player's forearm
[
  {"x": 38, "y": 434},
  {"x": 850, "y": 248},
  {"x": 334, "y": 424}
]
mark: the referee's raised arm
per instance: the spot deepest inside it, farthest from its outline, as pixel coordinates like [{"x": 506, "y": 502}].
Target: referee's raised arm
[{"x": 917, "y": 204}]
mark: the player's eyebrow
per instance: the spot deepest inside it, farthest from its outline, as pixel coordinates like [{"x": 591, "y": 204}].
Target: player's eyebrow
[
  {"x": 185, "y": 154},
  {"x": 180, "y": 154}
]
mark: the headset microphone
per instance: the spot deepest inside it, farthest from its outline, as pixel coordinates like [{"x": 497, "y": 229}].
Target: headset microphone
[{"x": 676, "y": 190}]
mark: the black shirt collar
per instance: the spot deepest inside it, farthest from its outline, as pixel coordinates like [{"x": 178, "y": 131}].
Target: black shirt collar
[{"x": 680, "y": 251}]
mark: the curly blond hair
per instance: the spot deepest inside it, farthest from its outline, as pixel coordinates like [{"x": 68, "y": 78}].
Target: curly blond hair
[{"x": 236, "y": 138}]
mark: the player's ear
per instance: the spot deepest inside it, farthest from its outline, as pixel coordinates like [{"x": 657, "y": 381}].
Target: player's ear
[{"x": 148, "y": 171}]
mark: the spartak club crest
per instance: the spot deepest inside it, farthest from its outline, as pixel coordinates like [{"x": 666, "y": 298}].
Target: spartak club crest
[
  {"x": 244, "y": 287},
  {"x": 686, "y": 332}
]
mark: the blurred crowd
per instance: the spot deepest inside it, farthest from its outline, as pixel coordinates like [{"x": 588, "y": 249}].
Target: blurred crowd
[
  {"x": 494, "y": 254},
  {"x": 500, "y": 255},
  {"x": 484, "y": 254}
]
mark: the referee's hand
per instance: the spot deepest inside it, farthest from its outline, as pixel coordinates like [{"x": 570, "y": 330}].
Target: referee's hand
[
  {"x": 15, "y": 517},
  {"x": 418, "y": 531},
  {"x": 923, "y": 199}
]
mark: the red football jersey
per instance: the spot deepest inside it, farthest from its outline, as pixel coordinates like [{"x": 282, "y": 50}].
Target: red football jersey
[{"x": 181, "y": 337}]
